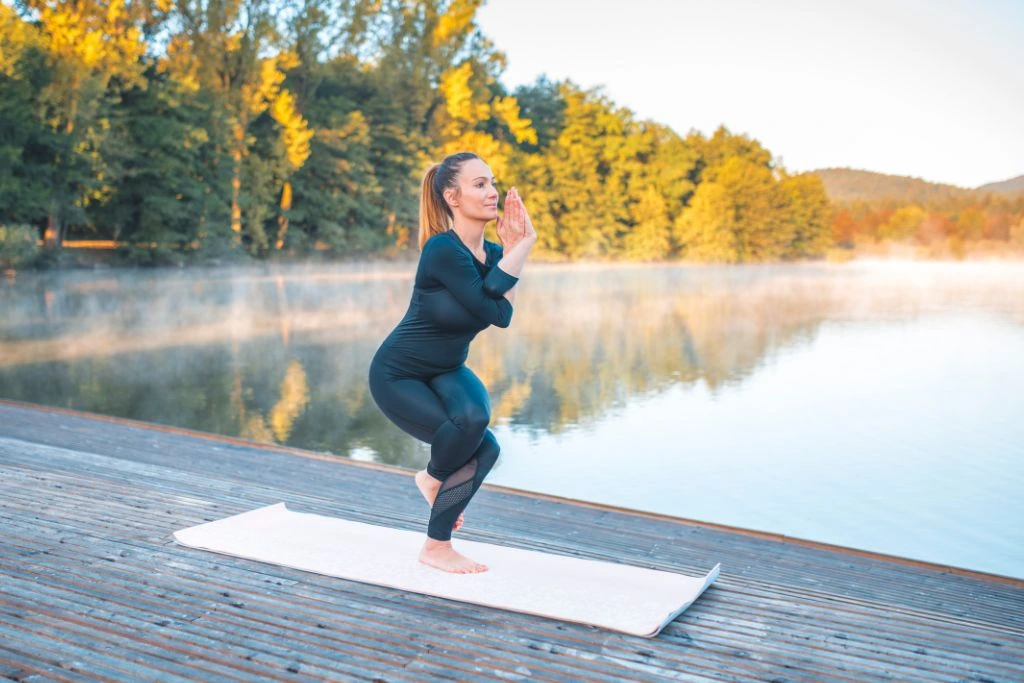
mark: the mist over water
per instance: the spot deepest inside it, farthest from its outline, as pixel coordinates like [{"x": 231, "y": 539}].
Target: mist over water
[{"x": 876, "y": 405}]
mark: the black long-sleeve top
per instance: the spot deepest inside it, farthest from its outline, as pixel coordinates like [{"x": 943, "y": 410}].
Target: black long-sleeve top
[{"x": 454, "y": 298}]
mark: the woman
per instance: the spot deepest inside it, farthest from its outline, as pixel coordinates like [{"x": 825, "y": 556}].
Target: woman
[{"x": 418, "y": 376}]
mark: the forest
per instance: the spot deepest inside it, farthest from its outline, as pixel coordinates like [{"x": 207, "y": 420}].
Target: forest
[{"x": 211, "y": 131}]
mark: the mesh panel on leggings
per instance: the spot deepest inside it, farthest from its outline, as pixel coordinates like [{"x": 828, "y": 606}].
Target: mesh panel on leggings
[{"x": 453, "y": 496}]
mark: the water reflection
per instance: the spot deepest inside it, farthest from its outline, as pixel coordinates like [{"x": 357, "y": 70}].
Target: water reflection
[{"x": 642, "y": 386}]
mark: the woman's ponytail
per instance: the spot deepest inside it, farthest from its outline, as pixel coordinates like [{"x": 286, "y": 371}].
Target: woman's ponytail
[{"x": 435, "y": 214}]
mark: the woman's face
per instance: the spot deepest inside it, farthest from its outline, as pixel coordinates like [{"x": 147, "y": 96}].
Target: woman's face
[{"x": 478, "y": 195}]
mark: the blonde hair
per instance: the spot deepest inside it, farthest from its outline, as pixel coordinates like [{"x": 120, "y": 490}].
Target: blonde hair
[{"x": 435, "y": 214}]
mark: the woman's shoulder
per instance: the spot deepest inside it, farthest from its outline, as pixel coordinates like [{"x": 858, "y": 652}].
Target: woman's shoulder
[{"x": 438, "y": 239}]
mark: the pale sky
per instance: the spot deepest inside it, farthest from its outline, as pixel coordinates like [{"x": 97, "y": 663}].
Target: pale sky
[{"x": 930, "y": 89}]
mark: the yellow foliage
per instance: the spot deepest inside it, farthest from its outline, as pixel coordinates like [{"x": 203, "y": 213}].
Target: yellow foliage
[
  {"x": 295, "y": 130},
  {"x": 286, "y": 197},
  {"x": 458, "y": 95},
  {"x": 97, "y": 38},
  {"x": 705, "y": 229},
  {"x": 494, "y": 152},
  {"x": 507, "y": 109},
  {"x": 15, "y": 37},
  {"x": 903, "y": 223},
  {"x": 180, "y": 63},
  {"x": 258, "y": 95},
  {"x": 456, "y": 21},
  {"x": 468, "y": 109},
  {"x": 1017, "y": 233}
]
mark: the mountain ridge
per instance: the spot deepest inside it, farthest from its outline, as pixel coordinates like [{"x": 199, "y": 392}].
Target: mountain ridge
[{"x": 848, "y": 184}]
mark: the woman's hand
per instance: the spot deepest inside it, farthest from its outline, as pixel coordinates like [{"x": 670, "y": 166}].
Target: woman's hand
[
  {"x": 515, "y": 225},
  {"x": 506, "y": 232},
  {"x": 528, "y": 231},
  {"x": 509, "y": 227}
]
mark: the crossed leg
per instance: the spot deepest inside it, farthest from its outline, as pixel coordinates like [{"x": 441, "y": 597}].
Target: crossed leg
[{"x": 450, "y": 411}]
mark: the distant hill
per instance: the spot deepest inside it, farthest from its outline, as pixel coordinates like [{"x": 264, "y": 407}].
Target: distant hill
[
  {"x": 1011, "y": 186},
  {"x": 846, "y": 184}
]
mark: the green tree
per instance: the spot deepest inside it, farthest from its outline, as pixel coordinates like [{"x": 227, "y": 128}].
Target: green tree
[
  {"x": 93, "y": 50},
  {"x": 232, "y": 53},
  {"x": 26, "y": 142},
  {"x": 166, "y": 192},
  {"x": 582, "y": 177},
  {"x": 541, "y": 102}
]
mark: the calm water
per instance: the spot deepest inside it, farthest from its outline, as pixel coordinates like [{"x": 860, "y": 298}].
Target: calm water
[{"x": 876, "y": 405}]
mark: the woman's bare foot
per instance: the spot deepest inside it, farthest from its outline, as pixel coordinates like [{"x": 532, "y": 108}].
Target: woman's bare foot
[
  {"x": 441, "y": 555},
  {"x": 429, "y": 487}
]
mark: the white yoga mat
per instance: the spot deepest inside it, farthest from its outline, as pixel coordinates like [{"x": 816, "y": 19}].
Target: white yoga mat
[{"x": 618, "y": 597}]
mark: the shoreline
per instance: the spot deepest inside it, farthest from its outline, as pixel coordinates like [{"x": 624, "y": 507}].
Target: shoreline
[{"x": 74, "y": 259}]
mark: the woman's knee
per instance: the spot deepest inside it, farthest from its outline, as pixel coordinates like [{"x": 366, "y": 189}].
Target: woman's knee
[
  {"x": 490, "y": 443},
  {"x": 472, "y": 418},
  {"x": 488, "y": 451}
]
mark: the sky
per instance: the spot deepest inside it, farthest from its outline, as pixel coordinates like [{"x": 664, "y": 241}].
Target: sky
[{"x": 930, "y": 89}]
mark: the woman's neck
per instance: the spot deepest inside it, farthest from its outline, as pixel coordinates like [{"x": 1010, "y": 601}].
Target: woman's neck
[{"x": 471, "y": 233}]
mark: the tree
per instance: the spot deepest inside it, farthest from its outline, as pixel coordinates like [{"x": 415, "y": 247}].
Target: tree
[
  {"x": 737, "y": 217},
  {"x": 541, "y": 102},
  {"x": 808, "y": 215},
  {"x": 724, "y": 145},
  {"x": 231, "y": 51},
  {"x": 903, "y": 223},
  {"x": 93, "y": 50},
  {"x": 970, "y": 223},
  {"x": 26, "y": 142},
  {"x": 164, "y": 192},
  {"x": 706, "y": 230}
]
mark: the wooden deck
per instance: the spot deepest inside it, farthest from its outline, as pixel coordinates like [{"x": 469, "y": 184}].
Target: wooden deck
[{"x": 93, "y": 586}]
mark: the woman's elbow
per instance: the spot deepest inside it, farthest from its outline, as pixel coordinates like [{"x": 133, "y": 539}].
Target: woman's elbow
[{"x": 504, "y": 317}]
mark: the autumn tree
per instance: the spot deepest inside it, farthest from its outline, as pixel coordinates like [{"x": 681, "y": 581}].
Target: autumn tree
[
  {"x": 92, "y": 50},
  {"x": 903, "y": 223},
  {"x": 739, "y": 216},
  {"x": 808, "y": 214},
  {"x": 231, "y": 52}
]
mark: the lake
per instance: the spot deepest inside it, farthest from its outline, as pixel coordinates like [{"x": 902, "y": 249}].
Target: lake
[{"x": 871, "y": 404}]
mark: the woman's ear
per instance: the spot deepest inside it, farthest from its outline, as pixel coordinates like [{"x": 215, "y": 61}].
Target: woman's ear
[{"x": 450, "y": 196}]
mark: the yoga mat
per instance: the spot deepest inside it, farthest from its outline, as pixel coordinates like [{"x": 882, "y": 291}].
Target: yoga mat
[{"x": 617, "y": 597}]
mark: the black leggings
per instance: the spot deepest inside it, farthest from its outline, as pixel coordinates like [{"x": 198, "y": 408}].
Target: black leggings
[{"x": 451, "y": 412}]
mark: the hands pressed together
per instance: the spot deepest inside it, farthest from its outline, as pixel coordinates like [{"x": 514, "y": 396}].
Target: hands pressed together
[{"x": 515, "y": 225}]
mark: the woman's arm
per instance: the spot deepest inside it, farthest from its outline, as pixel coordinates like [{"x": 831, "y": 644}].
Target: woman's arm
[
  {"x": 449, "y": 265},
  {"x": 516, "y": 229},
  {"x": 513, "y": 260}
]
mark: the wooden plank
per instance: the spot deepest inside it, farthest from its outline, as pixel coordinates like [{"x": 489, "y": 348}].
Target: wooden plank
[
  {"x": 930, "y": 588},
  {"x": 89, "y": 505},
  {"x": 332, "y": 630},
  {"x": 887, "y": 620}
]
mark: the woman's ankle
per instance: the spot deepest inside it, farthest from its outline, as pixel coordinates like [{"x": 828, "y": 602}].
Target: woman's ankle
[{"x": 432, "y": 477}]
